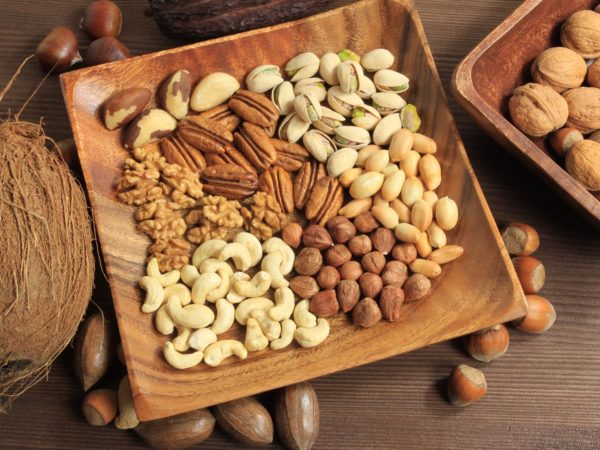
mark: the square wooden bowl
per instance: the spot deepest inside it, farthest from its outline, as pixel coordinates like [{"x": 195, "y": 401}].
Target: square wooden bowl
[
  {"x": 485, "y": 79},
  {"x": 478, "y": 291}
]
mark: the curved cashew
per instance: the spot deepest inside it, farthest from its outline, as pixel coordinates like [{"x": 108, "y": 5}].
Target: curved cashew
[
  {"x": 127, "y": 417},
  {"x": 204, "y": 284},
  {"x": 287, "y": 335},
  {"x": 163, "y": 322},
  {"x": 255, "y": 339},
  {"x": 191, "y": 316},
  {"x": 239, "y": 253},
  {"x": 250, "y": 304},
  {"x": 189, "y": 274},
  {"x": 303, "y": 317},
  {"x": 154, "y": 294},
  {"x": 181, "y": 291},
  {"x": 181, "y": 360},
  {"x": 202, "y": 338},
  {"x": 165, "y": 279},
  {"x": 276, "y": 244},
  {"x": 181, "y": 341},
  {"x": 225, "y": 316},
  {"x": 284, "y": 305},
  {"x": 224, "y": 270},
  {"x": 270, "y": 328},
  {"x": 256, "y": 287},
  {"x": 217, "y": 352},
  {"x": 310, "y": 337},
  {"x": 253, "y": 245},
  {"x": 272, "y": 264},
  {"x": 233, "y": 296},
  {"x": 208, "y": 249}
]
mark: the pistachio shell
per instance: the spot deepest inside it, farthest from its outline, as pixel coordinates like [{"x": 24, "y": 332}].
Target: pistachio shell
[
  {"x": 386, "y": 128},
  {"x": 213, "y": 90},
  {"x": 307, "y": 106},
  {"x": 292, "y": 128},
  {"x": 365, "y": 116},
  {"x": 343, "y": 102},
  {"x": 305, "y": 65},
  {"x": 353, "y": 137},
  {"x": 366, "y": 185},
  {"x": 340, "y": 161},
  {"x": 315, "y": 86},
  {"x": 319, "y": 145},
  {"x": 410, "y": 118},
  {"x": 283, "y": 97},
  {"x": 328, "y": 68},
  {"x": 387, "y": 102},
  {"x": 350, "y": 74},
  {"x": 263, "y": 78},
  {"x": 367, "y": 88},
  {"x": 390, "y": 80},
  {"x": 329, "y": 121},
  {"x": 377, "y": 59}
]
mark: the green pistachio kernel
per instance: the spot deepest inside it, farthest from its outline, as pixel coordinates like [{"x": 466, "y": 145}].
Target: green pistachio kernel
[
  {"x": 410, "y": 118},
  {"x": 348, "y": 55}
]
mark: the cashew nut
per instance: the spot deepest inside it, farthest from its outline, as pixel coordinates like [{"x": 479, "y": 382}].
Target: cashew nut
[
  {"x": 164, "y": 323},
  {"x": 225, "y": 316},
  {"x": 191, "y": 316},
  {"x": 256, "y": 287},
  {"x": 165, "y": 279},
  {"x": 252, "y": 244},
  {"x": 181, "y": 291},
  {"x": 255, "y": 339},
  {"x": 181, "y": 360},
  {"x": 284, "y": 305},
  {"x": 270, "y": 328},
  {"x": 287, "y": 335},
  {"x": 208, "y": 249},
  {"x": 154, "y": 294},
  {"x": 250, "y": 304},
  {"x": 217, "y": 352},
  {"x": 189, "y": 274},
  {"x": 203, "y": 285},
  {"x": 310, "y": 337},
  {"x": 233, "y": 296},
  {"x": 303, "y": 317},
  {"x": 272, "y": 263},
  {"x": 127, "y": 417},
  {"x": 239, "y": 253},
  {"x": 225, "y": 272},
  {"x": 202, "y": 338},
  {"x": 276, "y": 244},
  {"x": 181, "y": 341}
]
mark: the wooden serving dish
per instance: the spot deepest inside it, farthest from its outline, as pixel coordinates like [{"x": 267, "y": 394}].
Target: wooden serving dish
[
  {"x": 485, "y": 79},
  {"x": 478, "y": 291}
]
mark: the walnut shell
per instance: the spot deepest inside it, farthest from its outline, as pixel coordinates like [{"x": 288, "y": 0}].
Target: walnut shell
[
  {"x": 584, "y": 108},
  {"x": 583, "y": 163},
  {"x": 560, "y": 68},
  {"x": 537, "y": 109},
  {"x": 581, "y": 32}
]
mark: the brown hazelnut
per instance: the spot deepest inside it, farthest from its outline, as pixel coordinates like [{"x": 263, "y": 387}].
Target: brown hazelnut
[
  {"x": 366, "y": 222},
  {"x": 405, "y": 253},
  {"x": 351, "y": 271},
  {"x": 466, "y": 385},
  {"x": 373, "y": 262},
  {"x": 304, "y": 286},
  {"x": 394, "y": 272},
  {"x": 416, "y": 287},
  {"x": 383, "y": 240},
  {"x": 563, "y": 140},
  {"x": 324, "y": 303},
  {"x": 593, "y": 74},
  {"x": 316, "y": 236},
  {"x": 366, "y": 313},
  {"x": 341, "y": 229},
  {"x": 328, "y": 277},
  {"x": 360, "y": 245},
  {"x": 292, "y": 234},
  {"x": 338, "y": 255},
  {"x": 348, "y": 294},
  {"x": 370, "y": 284},
  {"x": 308, "y": 262},
  {"x": 537, "y": 109},
  {"x": 390, "y": 301}
]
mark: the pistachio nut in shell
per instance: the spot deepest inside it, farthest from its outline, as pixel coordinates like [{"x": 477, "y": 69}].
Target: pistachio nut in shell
[
  {"x": 328, "y": 68},
  {"x": 305, "y": 65},
  {"x": 365, "y": 116},
  {"x": 343, "y": 102},
  {"x": 314, "y": 86},
  {"x": 410, "y": 119},
  {"x": 213, "y": 90},
  {"x": 263, "y": 78},
  {"x": 386, "y": 128},
  {"x": 387, "y": 102},
  {"x": 308, "y": 108},
  {"x": 560, "y": 68},
  {"x": 377, "y": 59},
  {"x": 584, "y": 108},
  {"x": 350, "y": 74},
  {"x": 537, "y": 110},
  {"x": 390, "y": 80},
  {"x": 329, "y": 121},
  {"x": 283, "y": 97},
  {"x": 340, "y": 161},
  {"x": 319, "y": 145},
  {"x": 367, "y": 88},
  {"x": 366, "y": 185},
  {"x": 354, "y": 137},
  {"x": 583, "y": 163},
  {"x": 292, "y": 128}
]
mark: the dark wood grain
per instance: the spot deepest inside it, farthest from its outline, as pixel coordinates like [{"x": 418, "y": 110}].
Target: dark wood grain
[{"x": 544, "y": 394}]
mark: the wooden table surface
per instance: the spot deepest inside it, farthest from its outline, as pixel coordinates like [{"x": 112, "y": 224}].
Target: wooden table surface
[{"x": 544, "y": 393}]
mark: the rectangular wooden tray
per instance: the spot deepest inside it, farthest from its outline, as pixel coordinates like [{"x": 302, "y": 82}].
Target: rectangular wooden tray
[
  {"x": 485, "y": 79},
  {"x": 478, "y": 291}
]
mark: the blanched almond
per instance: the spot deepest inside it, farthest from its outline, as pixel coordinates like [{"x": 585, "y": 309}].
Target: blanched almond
[
  {"x": 446, "y": 213},
  {"x": 428, "y": 268},
  {"x": 401, "y": 209},
  {"x": 385, "y": 215},
  {"x": 392, "y": 186},
  {"x": 421, "y": 215},
  {"x": 446, "y": 254},
  {"x": 431, "y": 172},
  {"x": 366, "y": 185},
  {"x": 355, "y": 207},
  {"x": 407, "y": 233},
  {"x": 412, "y": 191},
  {"x": 424, "y": 144},
  {"x": 377, "y": 161},
  {"x": 401, "y": 144},
  {"x": 348, "y": 177},
  {"x": 423, "y": 246},
  {"x": 410, "y": 164},
  {"x": 437, "y": 236}
]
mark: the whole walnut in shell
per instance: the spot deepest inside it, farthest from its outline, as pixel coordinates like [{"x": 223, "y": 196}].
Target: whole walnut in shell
[
  {"x": 560, "y": 68},
  {"x": 584, "y": 108},
  {"x": 537, "y": 109},
  {"x": 583, "y": 163},
  {"x": 593, "y": 74},
  {"x": 581, "y": 32}
]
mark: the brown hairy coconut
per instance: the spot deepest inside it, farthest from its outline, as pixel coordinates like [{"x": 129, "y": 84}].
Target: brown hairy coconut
[{"x": 46, "y": 260}]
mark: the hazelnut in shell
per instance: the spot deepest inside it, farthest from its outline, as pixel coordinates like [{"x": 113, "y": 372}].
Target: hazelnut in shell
[
  {"x": 351, "y": 270},
  {"x": 564, "y": 139},
  {"x": 488, "y": 344},
  {"x": 537, "y": 110},
  {"x": 584, "y": 108},
  {"x": 466, "y": 385},
  {"x": 581, "y": 32},
  {"x": 560, "y": 68},
  {"x": 540, "y": 317},
  {"x": 341, "y": 229},
  {"x": 100, "y": 407},
  {"x": 531, "y": 273},
  {"x": 360, "y": 245},
  {"x": 366, "y": 313},
  {"x": 583, "y": 164},
  {"x": 520, "y": 239},
  {"x": 328, "y": 277},
  {"x": 370, "y": 284}
]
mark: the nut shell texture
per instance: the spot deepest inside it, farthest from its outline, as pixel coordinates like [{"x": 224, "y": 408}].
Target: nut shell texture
[
  {"x": 537, "y": 109},
  {"x": 583, "y": 163},
  {"x": 584, "y": 108},
  {"x": 581, "y": 32},
  {"x": 560, "y": 68}
]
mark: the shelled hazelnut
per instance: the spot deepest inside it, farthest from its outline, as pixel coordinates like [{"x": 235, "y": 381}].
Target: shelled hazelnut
[
  {"x": 292, "y": 234},
  {"x": 308, "y": 261},
  {"x": 316, "y": 236},
  {"x": 324, "y": 303},
  {"x": 338, "y": 255},
  {"x": 405, "y": 253},
  {"x": 366, "y": 222},
  {"x": 370, "y": 284},
  {"x": 348, "y": 294},
  {"x": 304, "y": 286},
  {"x": 390, "y": 301},
  {"x": 373, "y": 262},
  {"x": 383, "y": 240},
  {"x": 416, "y": 287},
  {"x": 351, "y": 270},
  {"x": 394, "y": 273},
  {"x": 341, "y": 229},
  {"x": 328, "y": 277},
  {"x": 360, "y": 245},
  {"x": 366, "y": 313}
]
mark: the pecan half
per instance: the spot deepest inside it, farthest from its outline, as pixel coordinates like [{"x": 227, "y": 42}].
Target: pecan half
[
  {"x": 308, "y": 175},
  {"x": 325, "y": 200},
  {"x": 254, "y": 108},
  {"x": 177, "y": 151},
  {"x": 255, "y": 144},
  {"x": 206, "y": 135},
  {"x": 233, "y": 156},
  {"x": 230, "y": 181},
  {"x": 290, "y": 156},
  {"x": 224, "y": 115},
  {"x": 277, "y": 182}
]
